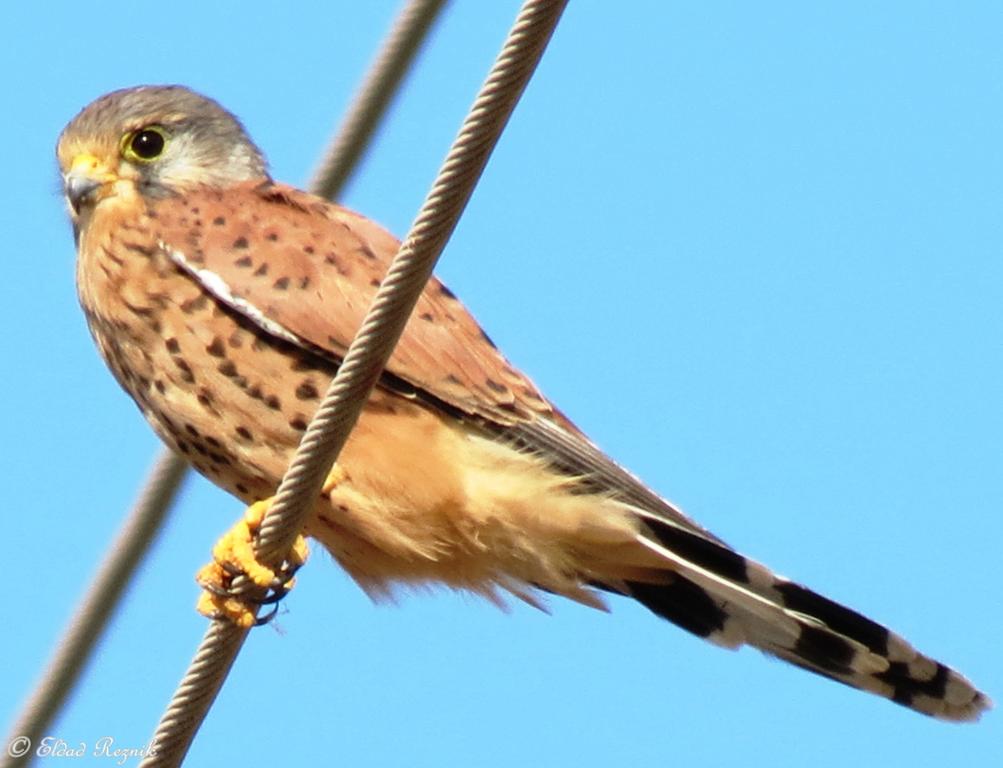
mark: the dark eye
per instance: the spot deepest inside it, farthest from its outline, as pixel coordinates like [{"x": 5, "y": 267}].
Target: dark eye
[{"x": 145, "y": 144}]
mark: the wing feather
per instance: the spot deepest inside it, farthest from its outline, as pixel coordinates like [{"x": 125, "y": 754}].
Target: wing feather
[{"x": 308, "y": 270}]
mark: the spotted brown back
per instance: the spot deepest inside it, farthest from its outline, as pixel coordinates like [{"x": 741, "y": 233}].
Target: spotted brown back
[{"x": 312, "y": 269}]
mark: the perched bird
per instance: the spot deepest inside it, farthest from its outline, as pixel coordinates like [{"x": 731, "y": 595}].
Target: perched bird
[{"x": 223, "y": 302}]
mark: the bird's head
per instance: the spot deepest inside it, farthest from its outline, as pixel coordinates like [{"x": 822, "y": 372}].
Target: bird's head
[{"x": 153, "y": 141}]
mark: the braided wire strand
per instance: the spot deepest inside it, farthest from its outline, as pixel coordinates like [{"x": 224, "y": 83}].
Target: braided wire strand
[
  {"x": 407, "y": 276},
  {"x": 365, "y": 358},
  {"x": 374, "y": 96},
  {"x": 159, "y": 489},
  {"x": 134, "y": 539}
]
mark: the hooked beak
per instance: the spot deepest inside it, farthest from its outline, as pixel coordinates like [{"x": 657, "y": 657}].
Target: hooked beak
[{"x": 83, "y": 183}]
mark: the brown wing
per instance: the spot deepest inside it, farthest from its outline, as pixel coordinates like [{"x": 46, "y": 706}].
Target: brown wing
[
  {"x": 307, "y": 270},
  {"x": 313, "y": 268}
]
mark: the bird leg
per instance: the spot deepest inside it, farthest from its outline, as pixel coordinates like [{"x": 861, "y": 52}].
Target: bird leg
[
  {"x": 335, "y": 477},
  {"x": 233, "y": 555}
]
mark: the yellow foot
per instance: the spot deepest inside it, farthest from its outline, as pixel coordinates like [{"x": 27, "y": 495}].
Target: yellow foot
[
  {"x": 334, "y": 478},
  {"x": 233, "y": 556}
]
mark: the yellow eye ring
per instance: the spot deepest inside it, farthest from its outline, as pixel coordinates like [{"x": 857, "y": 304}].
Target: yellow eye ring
[{"x": 144, "y": 145}]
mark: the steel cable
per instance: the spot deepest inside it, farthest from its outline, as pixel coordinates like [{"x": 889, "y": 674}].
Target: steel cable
[
  {"x": 159, "y": 490},
  {"x": 366, "y": 357}
]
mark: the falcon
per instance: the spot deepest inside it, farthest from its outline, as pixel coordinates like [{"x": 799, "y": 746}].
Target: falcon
[{"x": 223, "y": 302}]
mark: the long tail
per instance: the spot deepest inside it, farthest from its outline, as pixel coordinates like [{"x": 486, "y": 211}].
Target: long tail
[{"x": 716, "y": 593}]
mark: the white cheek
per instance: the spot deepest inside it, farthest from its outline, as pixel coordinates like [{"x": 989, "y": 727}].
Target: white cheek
[
  {"x": 182, "y": 164},
  {"x": 123, "y": 188},
  {"x": 185, "y": 163},
  {"x": 241, "y": 157}
]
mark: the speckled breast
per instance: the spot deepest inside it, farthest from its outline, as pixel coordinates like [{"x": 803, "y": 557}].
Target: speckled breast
[{"x": 231, "y": 400}]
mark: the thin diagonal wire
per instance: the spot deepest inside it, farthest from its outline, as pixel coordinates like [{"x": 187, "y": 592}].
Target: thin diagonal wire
[
  {"x": 353, "y": 137},
  {"x": 367, "y": 355},
  {"x": 374, "y": 96},
  {"x": 50, "y": 694},
  {"x": 407, "y": 276},
  {"x": 69, "y": 659}
]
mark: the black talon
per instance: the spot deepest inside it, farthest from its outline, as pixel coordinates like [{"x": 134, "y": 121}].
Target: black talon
[
  {"x": 277, "y": 590},
  {"x": 260, "y": 621},
  {"x": 272, "y": 597}
]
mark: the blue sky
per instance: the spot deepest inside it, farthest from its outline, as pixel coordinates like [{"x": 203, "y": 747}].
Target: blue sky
[{"x": 753, "y": 250}]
